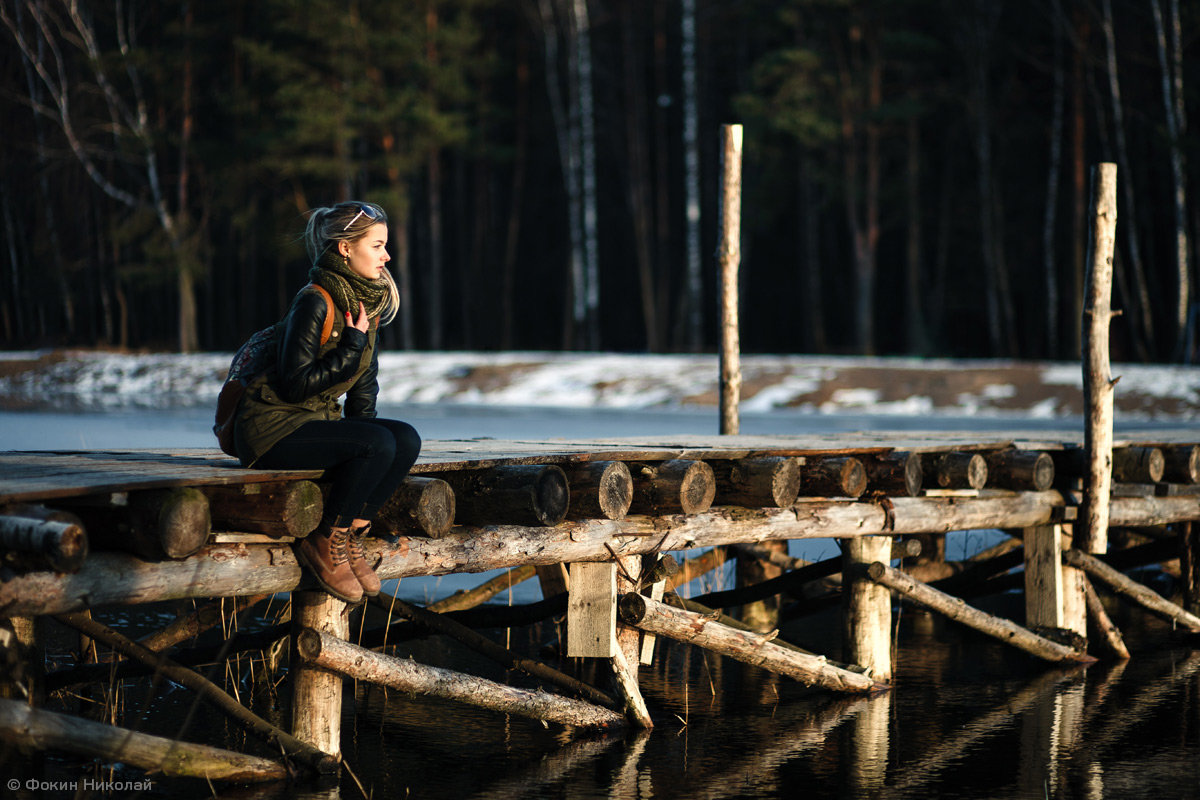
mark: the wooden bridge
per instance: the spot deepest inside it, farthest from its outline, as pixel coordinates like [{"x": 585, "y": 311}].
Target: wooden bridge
[{"x": 597, "y": 522}]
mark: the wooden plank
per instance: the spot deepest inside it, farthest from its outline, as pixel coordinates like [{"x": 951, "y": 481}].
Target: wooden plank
[
  {"x": 592, "y": 610},
  {"x": 1043, "y": 577}
]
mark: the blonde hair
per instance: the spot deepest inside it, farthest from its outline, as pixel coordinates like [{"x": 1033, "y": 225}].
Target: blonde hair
[{"x": 349, "y": 222}]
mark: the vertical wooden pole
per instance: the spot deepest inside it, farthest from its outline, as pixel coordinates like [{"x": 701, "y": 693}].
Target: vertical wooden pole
[
  {"x": 628, "y": 655},
  {"x": 317, "y": 694},
  {"x": 1189, "y": 565},
  {"x": 730, "y": 256},
  {"x": 1043, "y": 577},
  {"x": 868, "y": 607},
  {"x": 1098, "y": 383}
]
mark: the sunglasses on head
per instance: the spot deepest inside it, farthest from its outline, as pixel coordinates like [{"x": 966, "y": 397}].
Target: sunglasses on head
[{"x": 363, "y": 210}]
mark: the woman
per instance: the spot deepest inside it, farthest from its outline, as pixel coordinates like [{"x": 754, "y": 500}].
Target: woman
[{"x": 290, "y": 418}]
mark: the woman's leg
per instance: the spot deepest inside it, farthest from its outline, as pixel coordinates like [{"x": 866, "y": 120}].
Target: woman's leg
[
  {"x": 355, "y": 455},
  {"x": 407, "y": 448}
]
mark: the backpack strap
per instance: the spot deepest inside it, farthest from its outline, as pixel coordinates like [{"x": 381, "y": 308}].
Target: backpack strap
[{"x": 327, "y": 327}]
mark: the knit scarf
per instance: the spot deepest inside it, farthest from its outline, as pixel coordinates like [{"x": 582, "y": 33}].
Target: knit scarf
[{"x": 332, "y": 273}]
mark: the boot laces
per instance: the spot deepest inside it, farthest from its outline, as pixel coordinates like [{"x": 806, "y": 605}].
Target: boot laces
[{"x": 338, "y": 545}]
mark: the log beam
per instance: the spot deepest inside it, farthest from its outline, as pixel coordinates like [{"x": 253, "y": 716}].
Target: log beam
[
  {"x": 1020, "y": 470},
  {"x": 61, "y": 544},
  {"x": 1181, "y": 464},
  {"x": 420, "y": 506},
  {"x": 954, "y": 608},
  {"x": 842, "y": 476},
  {"x": 758, "y": 650},
  {"x": 291, "y": 508},
  {"x": 895, "y": 473},
  {"x": 599, "y": 490},
  {"x": 519, "y": 494},
  {"x": 46, "y": 730},
  {"x": 679, "y": 486},
  {"x": 757, "y": 482},
  {"x": 1129, "y": 588},
  {"x": 236, "y": 569},
  {"x": 335, "y": 655},
  {"x": 956, "y": 471}
]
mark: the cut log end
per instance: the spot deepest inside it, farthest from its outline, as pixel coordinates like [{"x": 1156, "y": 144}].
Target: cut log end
[
  {"x": 632, "y": 608},
  {"x": 184, "y": 523},
  {"x": 698, "y": 490}
]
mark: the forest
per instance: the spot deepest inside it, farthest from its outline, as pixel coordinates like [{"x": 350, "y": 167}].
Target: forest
[{"x": 916, "y": 172}]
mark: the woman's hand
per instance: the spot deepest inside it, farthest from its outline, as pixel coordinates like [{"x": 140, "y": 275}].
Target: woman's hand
[{"x": 362, "y": 322}]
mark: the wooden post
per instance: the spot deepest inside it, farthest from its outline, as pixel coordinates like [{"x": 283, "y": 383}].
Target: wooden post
[
  {"x": 330, "y": 652},
  {"x": 867, "y": 620},
  {"x": 730, "y": 249},
  {"x": 599, "y": 490},
  {"x": 592, "y": 610},
  {"x": 1189, "y": 565},
  {"x": 686, "y": 626},
  {"x": 317, "y": 693},
  {"x": 956, "y": 609},
  {"x": 28, "y": 727},
  {"x": 760, "y": 615},
  {"x": 291, "y": 509},
  {"x": 1098, "y": 383},
  {"x": 420, "y": 506},
  {"x": 1043, "y": 577}
]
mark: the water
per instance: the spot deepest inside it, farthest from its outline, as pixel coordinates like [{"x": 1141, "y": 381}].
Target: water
[{"x": 966, "y": 717}]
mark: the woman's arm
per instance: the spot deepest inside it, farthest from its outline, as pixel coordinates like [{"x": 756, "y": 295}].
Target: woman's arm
[
  {"x": 302, "y": 372},
  {"x": 360, "y": 398}
]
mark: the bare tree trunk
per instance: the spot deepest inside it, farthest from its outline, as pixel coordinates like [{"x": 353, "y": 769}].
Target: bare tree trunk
[
  {"x": 691, "y": 311},
  {"x": 638, "y": 170},
  {"x": 1142, "y": 327},
  {"x": 434, "y": 176},
  {"x": 917, "y": 337},
  {"x": 587, "y": 145},
  {"x": 1049, "y": 257},
  {"x": 810, "y": 263},
  {"x": 662, "y": 202},
  {"x": 1170, "y": 64},
  {"x": 516, "y": 198},
  {"x": 1082, "y": 32}
]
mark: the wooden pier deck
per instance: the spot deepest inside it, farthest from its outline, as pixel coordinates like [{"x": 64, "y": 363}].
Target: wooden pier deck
[{"x": 680, "y": 494}]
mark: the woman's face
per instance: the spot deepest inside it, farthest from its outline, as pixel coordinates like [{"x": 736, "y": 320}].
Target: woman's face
[{"x": 368, "y": 255}]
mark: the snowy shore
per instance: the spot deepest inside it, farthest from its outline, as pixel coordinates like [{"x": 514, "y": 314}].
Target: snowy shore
[{"x": 90, "y": 380}]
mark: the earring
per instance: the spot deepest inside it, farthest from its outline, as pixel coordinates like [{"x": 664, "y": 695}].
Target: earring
[{"x": 346, "y": 261}]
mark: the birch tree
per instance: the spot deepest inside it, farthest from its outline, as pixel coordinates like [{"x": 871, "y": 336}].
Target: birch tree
[{"x": 122, "y": 156}]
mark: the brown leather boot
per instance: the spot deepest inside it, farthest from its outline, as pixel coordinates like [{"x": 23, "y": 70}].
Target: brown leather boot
[
  {"x": 358, "y": 561},
  {"x": 324, "y": 552}
]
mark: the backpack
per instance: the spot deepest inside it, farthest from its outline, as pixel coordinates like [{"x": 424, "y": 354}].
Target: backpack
[{"x": 255, "y": 358}]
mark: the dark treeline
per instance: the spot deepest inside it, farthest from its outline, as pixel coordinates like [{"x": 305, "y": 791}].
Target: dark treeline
[{"x": 916, "y": 171}]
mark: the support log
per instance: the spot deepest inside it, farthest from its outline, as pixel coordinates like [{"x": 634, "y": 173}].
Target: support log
[
  {"x": 956, "y": 470},
  {"x": 599, "y": 490},
  {"x": 1099, "y": 385},
  {"x": 470, "y": 598},
  {"x": 485, "y": 646},
  {"x": 60, "y": 544},
  {"x": 895, "y": 473},
  {"x": 235, "y": 570},
  {"x": 867, "y": 617},
  {"x": 1110, "y": 634},
  {"x": 1181, "y": 464},
  {"x": 46, "y": 730},
  {"x": 516, "y": 494},
  {"x": 1189, "y": 565},
  {"x": 685, "y": 626},
  {"x": 191, "y": 625},
  {"x": 1020, "y": 470},
  {"x": 954, "y": 608},
  {"x": 335, "y": 655},
  {"x": 317, "y": 694},
  {"x": 419, "y": 507},
  {"x": 291, "y": 509},
  {"x": 1129, "y": 588},
  {"x": 772, "y": 482},
  {"x": 729, "y": 257},
  {"x": 285, "y": 742},
  {"x": 679, "y": 486},
  {"x": 842, "y": 476},
  {"x": 154, "y": 524}
]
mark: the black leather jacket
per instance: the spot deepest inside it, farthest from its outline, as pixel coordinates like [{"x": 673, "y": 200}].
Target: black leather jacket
[{"x": 309, "y": 378}]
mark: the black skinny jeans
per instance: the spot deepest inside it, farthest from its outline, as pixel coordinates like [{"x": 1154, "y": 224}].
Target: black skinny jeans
[{"x": 365, "y": 458}]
